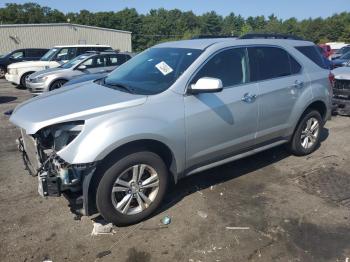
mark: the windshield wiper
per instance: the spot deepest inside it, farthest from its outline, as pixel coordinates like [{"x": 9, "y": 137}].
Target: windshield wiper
[{"x": 120, "y": 86}]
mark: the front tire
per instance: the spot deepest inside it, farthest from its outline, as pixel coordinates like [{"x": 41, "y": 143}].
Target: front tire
[
  {"x": 57, "y": 84},
  {"x": 131, "y": 189},
  {"x": 307, "y": 135}
]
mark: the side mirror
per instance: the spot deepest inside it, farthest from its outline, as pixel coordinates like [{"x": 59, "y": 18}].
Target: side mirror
[
  {"x": 206, "y": 85},
  {"x": 81, "y": 67}
]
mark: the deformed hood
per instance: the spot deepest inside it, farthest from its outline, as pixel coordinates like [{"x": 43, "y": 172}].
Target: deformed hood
[{"x": 76, "y": 102}]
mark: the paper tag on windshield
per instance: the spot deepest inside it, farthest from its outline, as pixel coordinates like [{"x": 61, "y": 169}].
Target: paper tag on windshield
[{"x": 164, "y": 68}]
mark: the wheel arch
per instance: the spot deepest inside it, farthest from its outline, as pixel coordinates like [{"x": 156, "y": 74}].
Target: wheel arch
[
  {"x": 152, "y": 145},
  {"x": 55, "y": 80},
  {"x": 319, "y": 106}
]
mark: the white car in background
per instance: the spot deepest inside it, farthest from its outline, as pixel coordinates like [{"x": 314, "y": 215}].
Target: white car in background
[{"x": 17, "y": 72}]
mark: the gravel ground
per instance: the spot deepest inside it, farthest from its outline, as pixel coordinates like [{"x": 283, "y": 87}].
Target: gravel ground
[{"x": 268, "y": 207}]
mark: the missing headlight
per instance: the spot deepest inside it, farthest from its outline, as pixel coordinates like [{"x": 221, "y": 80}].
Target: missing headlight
[{"x": 58, "y": 136}]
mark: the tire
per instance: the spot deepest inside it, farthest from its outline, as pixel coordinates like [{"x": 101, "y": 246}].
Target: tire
[
  {"x": 107, "y": 202},
  {"x": 2, "y": 72},
  {"x": 57, "y": 84},
  {"x": 305, "y": 140},
  {"x": 23, "y": 80}
]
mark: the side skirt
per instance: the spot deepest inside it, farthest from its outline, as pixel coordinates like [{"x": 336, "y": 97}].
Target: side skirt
[{"x": 236, "y": 157}]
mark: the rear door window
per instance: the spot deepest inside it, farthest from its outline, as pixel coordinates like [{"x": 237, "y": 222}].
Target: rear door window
[
  {"x": 116, "y": 59},
  {"x": 313, "y": 54},
  {"x": 271, "y": 62}
]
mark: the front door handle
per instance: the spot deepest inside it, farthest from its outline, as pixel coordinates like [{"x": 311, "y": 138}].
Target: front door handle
[
  {"x": 298, "y": 84},
  {"x": 249, "y": 98}
]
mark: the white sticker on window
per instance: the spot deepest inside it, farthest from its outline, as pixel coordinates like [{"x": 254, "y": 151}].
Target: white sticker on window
[{"x": 164, "y": 68}]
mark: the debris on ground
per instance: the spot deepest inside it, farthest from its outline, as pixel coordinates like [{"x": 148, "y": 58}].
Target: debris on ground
[
  {"x": 202, "y": 214},
  {"x": 166, "y": 220},
  {"x": 103, "y": 254},
  {"x": 102, "y": 229},
  {"x": 237, "y": 228}
]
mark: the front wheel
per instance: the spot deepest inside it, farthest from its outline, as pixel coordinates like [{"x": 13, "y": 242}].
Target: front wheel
[
  {"x": 132, "y": 188},
  {"x": 307, "y": 135},
  {"x": 57, "y": 84}
]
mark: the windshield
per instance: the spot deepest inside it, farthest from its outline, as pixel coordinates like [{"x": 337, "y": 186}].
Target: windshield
[
  {"x": 74, "y": 61},
  {"x": 49, "y": 55},
  {"x": 153, "y": 71},
  {"x": 346, "y": 56}
]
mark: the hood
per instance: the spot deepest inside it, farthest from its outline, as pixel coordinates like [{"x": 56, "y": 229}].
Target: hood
[
  {"x": 76, "y": 102},
  {"x": 342, "y": 73},
  {"x": 46, "y": 72},
  {"x": 33, "y": 64}
]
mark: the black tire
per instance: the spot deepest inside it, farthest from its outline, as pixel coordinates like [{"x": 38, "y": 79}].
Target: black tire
[
  {"x": 295, "y": 145},
  {"x": 57, "y": 84},
  {"x": 103, "y": 196},
  {"x": 2, "y": 71},
  {"x": 23, "y": 80}
]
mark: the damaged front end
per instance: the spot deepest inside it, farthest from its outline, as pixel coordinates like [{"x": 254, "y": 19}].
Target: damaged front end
[
  {"x": 341, "y": 96},
  {"x": 56, "y": 176}
]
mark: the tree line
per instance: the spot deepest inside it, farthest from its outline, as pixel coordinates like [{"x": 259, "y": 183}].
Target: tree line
[{"x": 160, "y": 25}]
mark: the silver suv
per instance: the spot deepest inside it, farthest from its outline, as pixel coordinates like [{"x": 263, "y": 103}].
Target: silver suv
[{"x": 113, "y": 145}]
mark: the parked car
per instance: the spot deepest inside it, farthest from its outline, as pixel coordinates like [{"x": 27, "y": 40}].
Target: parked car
[
  {"x": 326, "y": 50},
  {"x": 341, "y": 61},
  {"x": 85, "y": 78},
  {"x": 27, "y": 54},
  {"x": 342, "y": 51},
  {"x": 341, "y": 91},
  {"x": 88, "y": 63},
  {"x": 57, "y": 56},
  {"x": 174, "y": 110}
]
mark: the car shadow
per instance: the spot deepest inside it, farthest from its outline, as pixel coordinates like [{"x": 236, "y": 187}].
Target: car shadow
[
  {"x": 7, "y": 99},
  {"x": 224, "y": 173}
]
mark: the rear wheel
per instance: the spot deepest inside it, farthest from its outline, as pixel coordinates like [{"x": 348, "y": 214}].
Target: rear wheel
[
  {"x": 57, "y": 84},
  {"x": 307, "y": 135},
  {"x": 2, "y": 72},
  {"x": 132, "y": 188}
]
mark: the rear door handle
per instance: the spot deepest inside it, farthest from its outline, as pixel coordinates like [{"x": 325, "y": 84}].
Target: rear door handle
[
  {"x": 298, "y": 84},
  {"x": 249, "y": 98}
]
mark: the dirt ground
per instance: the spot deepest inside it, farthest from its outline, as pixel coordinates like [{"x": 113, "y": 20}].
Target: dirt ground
[{"x": 286, "y": 208}]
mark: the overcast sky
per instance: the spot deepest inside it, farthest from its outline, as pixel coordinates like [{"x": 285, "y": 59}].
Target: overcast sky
[{"x": 281, "y": 8}]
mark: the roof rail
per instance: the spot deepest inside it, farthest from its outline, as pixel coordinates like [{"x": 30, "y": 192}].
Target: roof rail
[
  {"x": 213, "y": 36},
  {"x": 270, "y": 36}
]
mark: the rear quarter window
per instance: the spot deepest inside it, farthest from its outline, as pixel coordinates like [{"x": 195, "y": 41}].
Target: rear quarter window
[{"x": 313, "y": 54}]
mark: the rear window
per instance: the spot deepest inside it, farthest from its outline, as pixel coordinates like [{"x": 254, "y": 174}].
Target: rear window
[{"x": 313, "y": 54}]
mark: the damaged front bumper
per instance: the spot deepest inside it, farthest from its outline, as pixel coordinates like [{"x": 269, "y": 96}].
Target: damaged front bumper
[
  {"x": 56, "y": 177},
  {"x": 341, "y": 98}
]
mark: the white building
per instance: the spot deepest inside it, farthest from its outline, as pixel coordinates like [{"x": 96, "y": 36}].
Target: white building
[{"x": 48, "y": 35}]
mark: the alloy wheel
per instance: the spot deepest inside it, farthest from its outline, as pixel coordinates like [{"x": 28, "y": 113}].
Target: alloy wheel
[
  {"x": 135, "y": 189},
  {"x": 310, "y": 133}
]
